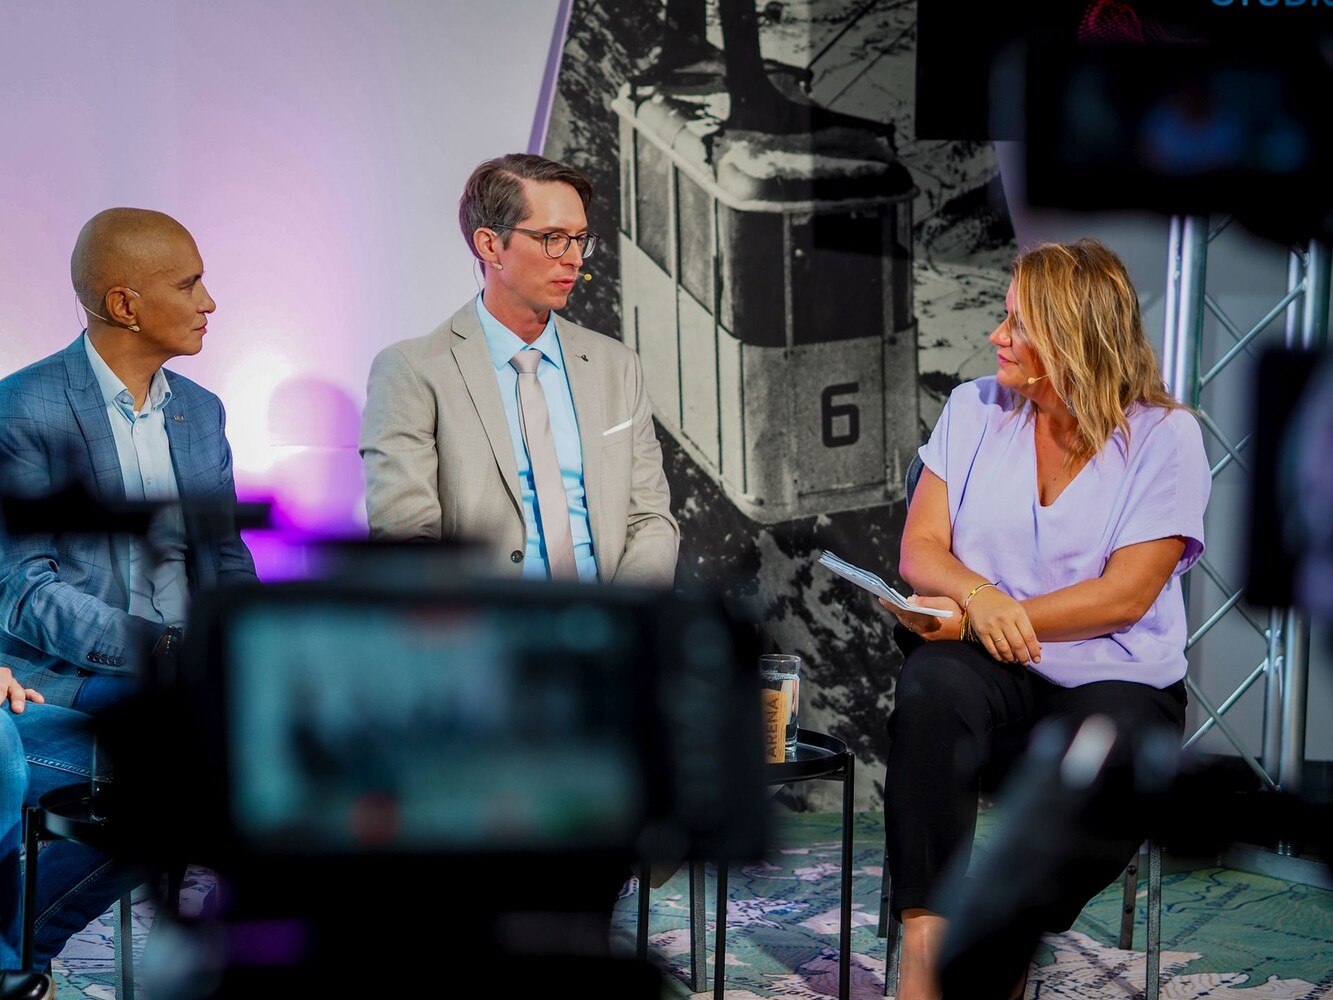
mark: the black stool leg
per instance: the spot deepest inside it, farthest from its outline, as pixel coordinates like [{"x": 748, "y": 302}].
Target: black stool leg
[
  {"x": 885, "y": 915},
  {"x": 892, "y": 942},
  {"x": 720, "y": 948},
  {"x": 845, "y": 922},
  {"x": 641, "y": 941},
  {"x": 175, "y": 882},
  {"x": 1153, "y": 946},
  {"x": 698, "y": 927},
  {"x": 123, "y": 940},
  {"x": 1129, "y": 903},
  {"x": 888, "y": 929},
  {"x": 31, "y": 830}
]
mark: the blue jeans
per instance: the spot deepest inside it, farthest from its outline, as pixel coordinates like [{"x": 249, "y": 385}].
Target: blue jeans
[
  {"x": 43, "y": 748},
  {"x": 99, "y": 692}
]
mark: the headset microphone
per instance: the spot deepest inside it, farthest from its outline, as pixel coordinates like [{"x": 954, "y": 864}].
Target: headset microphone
[
  {"x": 1034, "y": 379},
  {"x": 587, "y": 276},
  {"x": 104, "y": 319},
  {"x": 93, "y": 312}
]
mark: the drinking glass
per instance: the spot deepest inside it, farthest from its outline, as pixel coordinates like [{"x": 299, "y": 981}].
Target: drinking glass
[{"x": 780, "y": 680}]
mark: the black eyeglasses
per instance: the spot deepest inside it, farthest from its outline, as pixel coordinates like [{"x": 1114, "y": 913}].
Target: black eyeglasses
[{"x": 556, "y": 244}]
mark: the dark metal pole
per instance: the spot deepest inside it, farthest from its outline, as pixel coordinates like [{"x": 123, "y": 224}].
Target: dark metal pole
[
  {"x": 698, "y": 928},
  {"x": 641, "y": 939},
  {"x": 720, "y": 947},
  {"x": 755, "y": 103},
  {"x": 845, "y": 923}
]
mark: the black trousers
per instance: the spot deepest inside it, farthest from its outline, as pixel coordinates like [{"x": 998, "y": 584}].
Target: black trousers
[{"x": 961, "y": 716}]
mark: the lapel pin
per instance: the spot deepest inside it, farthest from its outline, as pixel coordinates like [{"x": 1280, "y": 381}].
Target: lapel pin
[{"x": 177, "y": 416}]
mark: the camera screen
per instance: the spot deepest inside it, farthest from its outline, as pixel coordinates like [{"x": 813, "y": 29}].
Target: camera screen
[
  {"x": 1190, "y": 130},
  {"x": 357, "y": 727}
]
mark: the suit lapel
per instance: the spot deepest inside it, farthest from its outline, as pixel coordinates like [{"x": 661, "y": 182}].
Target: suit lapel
[
  {"x": 585, "y": 385},
  {"x": 85, "y": 399},
  {"x": 474, "y": 364},
  {"x": 182, "y": 443},
  {"x": 180, "y": 435}
]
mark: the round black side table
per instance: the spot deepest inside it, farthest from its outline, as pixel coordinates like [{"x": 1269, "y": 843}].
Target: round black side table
[
  {"x": 818, "y": 755},
  {"x": 65, "y": 813}
]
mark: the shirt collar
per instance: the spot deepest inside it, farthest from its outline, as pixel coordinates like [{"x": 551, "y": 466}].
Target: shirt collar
[
  {"x": 113, "y": 389},
  {"x": 503, "y": 343}
]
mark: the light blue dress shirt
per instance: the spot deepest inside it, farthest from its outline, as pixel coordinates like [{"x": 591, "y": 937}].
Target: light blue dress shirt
[
  {"x": 160, "y": 593},
  {"x": 503, "y": 344}
]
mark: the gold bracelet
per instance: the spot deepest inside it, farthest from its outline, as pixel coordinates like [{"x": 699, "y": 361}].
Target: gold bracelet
[
  {"x": 977, "y": 589},
  {"x": 963, "y": 626}
]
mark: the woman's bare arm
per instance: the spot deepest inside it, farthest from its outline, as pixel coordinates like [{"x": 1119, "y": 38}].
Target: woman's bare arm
[
  {"x": 926, "y": 559},
  {"x": 1012, "y": 630},
  {"x": 927, "y": 562},
  {"x": 1132, "y": 580}
]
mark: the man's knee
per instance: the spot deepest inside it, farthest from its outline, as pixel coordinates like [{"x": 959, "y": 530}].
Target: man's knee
[{"x": 13, "y": 769}]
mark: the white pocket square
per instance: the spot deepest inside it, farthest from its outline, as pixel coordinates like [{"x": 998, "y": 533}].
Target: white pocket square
[{"x": 617, "y": 427}]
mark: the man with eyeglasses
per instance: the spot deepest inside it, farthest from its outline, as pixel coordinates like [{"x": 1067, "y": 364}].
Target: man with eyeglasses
[{"x": 511, "y": 425}]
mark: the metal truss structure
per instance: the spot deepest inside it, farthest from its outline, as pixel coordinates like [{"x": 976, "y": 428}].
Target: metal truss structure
[{"x": 1284, "y": 669}]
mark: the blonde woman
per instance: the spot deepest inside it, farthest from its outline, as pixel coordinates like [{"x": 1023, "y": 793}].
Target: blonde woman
[{"x": 1061, "y": 500}]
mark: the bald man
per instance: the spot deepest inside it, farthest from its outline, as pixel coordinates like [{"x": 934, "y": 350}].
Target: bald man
[{"x": 79, "y": 612}]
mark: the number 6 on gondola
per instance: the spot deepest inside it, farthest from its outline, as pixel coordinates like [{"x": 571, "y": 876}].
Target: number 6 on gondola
[{"x": 830, "y": 411}]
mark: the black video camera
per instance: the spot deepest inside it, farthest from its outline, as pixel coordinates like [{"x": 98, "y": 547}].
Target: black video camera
[{"x": 495, "y": 753}]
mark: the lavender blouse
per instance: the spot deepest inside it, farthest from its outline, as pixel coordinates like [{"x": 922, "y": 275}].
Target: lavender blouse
[{"x": 983, "y": 449}]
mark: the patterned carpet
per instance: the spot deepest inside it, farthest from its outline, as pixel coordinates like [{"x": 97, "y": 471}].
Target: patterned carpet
[{"x": 1226, "y": 935}]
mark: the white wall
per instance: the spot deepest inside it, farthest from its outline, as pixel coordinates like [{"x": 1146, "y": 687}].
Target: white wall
[{"x": 316, "y": 150}]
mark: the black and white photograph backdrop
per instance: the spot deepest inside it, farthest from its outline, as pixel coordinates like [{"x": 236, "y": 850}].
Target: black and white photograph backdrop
[{"x": 804, "y": 280}]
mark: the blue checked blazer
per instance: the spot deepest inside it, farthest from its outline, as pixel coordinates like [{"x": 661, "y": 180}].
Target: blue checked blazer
[{"x": 63, "y": 597}]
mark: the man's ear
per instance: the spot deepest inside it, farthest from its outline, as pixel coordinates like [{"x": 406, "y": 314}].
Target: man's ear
[
  {"x": 122, "y": 306},
  {"x": 486, "y": 244}
]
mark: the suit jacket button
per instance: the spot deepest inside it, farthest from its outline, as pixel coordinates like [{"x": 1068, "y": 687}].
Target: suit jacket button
[{"x": 516, "y": 556}]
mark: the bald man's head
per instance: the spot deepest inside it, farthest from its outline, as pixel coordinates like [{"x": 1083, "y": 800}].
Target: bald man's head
[
  {"x": 122, "y": 246},
  {"x": 140, "y": 278}
]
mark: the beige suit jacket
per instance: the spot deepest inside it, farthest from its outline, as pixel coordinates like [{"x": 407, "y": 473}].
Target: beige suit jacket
[{"x": 439, "y": 460}]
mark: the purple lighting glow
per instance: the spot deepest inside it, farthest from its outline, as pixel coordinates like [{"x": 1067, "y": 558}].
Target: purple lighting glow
[{"x": 316, "y": 151}]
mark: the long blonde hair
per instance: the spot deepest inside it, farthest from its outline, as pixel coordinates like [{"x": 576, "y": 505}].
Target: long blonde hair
[{"x": 1080, "y": 312}]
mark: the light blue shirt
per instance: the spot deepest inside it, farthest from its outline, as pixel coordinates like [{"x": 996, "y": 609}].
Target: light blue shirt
[
  {"x": 160, "y": 593},
  {"x": 503, "y": 344}
]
